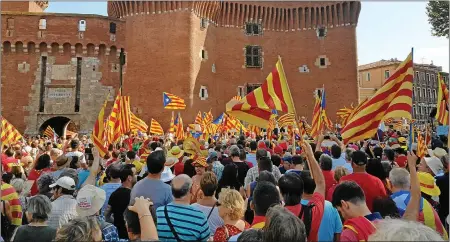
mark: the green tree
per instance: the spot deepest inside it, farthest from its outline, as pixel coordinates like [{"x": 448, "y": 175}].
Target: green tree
[{"x": 438, "y": 17}]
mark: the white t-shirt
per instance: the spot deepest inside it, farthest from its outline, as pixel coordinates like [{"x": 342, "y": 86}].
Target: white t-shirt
[{"x": 79, "y": 154}]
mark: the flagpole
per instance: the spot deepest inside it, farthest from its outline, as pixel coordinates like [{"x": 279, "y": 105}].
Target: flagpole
[{"x": 410, "y": 123}]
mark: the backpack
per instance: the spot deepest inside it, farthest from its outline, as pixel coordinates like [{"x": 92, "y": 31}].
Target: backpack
[{"x": 306, "y": 216}]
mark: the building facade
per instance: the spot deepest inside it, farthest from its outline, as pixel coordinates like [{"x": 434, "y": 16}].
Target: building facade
[
  {"x": 425, "y": 85},
  {"x": 63, "y": 65}
]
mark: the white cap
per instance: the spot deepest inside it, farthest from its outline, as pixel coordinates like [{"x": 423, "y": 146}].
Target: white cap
[{"x": 64, "y": 182}]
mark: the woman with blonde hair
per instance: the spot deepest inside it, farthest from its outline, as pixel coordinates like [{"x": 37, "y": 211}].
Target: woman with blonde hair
[
  {"x": 80, "y": 229},
  {"x": 338, "y": 174},
  {"x": 231, "y": 210}
]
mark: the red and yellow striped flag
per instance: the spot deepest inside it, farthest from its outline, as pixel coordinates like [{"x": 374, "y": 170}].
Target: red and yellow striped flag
[
  {"x": 392, "y": 100},
  {"x": 155, "y": 128},
  {"x": 171, "y": 101},
  {"x": 343, "y": 114},
  {"x": 421, "y": 146},
  {"x": 198, "y": 118},
  {"x": 326, "y": 122},
  {"x": 442, "y": 102},
  {"x": 98, "y": 133},
  {"x": 316, "y": 120},
  {"x": 125, "y": 116},
  {"x": 49, "y": 132},
  {"x": 256, "y": 107},
  {"x": 138, "y": 124},
  {"x": 254, "y": 129},
  {"x": 114, "y": 127},
  {"x": 9, "y": 133},
  {"x": 172, "y": 125},
  {"x": 286, "y": 120},
  {"x": 179, "y": 128}
]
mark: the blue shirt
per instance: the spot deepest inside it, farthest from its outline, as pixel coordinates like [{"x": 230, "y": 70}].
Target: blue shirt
[
  {"x": 82, "y": 177},
  {"x": 251, "y": 157},
  {"x": 109, "y": 188},
  {"x": 331, "y": 222},
  {"x": 339, "y": 161},
  {"x": 159, "y": 192},
  {"x": 189, "y": 223}
]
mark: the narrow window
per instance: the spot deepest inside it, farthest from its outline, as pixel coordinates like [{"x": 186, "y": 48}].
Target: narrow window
[
  {"x": 386, "y": 74},
  {"x": 112, "y": 28},
  {"x": 42, "y": 89},
  {"x": 368, "y": 76},
  {"x": 78, "y": 85},
  {"x": 323, "y": 61}
]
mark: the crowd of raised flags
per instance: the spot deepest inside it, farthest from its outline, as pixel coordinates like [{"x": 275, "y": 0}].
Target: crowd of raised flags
[{"x": 268, "y": 128}]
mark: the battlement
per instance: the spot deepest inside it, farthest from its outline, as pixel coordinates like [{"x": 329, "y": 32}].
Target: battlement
[{"x": 274, "y": 16}]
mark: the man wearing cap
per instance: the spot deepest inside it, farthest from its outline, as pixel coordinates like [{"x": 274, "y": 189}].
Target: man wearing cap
[
  {"x": 431, "y": 165},
  {"x": 371, "y": 185},
  {"x": 64, "y": 204},
  {"x": 90, "y": 200}
]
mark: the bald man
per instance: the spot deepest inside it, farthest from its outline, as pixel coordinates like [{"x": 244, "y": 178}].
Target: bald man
[{"x": 189, "y": 223}]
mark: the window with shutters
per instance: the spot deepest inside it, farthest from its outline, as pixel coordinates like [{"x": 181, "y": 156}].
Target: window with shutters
[
  {"x": 253, "y": 56},
  {"x": 253, "y": 29}
]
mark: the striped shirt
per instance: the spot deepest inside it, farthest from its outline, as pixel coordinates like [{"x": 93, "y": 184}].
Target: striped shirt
[
  {"x": 189, "y": 223},
  {"x": 9, "y": 194}
]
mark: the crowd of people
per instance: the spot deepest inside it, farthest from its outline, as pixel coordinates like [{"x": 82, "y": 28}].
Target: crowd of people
[{"x": 237, "y": 188}]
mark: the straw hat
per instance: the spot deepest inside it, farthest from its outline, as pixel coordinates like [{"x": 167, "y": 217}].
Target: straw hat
[
  {"x": 201, "y": 161},
  {"x": 427, "y": 184},
  {"x": 175, "y": 152}
]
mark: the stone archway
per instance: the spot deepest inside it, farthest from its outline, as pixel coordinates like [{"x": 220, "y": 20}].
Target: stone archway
[{"x": 59, "y": 124}]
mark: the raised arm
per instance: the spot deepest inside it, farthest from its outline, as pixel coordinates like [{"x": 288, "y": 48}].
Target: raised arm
[
  {"x": 316, "y": 172},
  {"x": 148, "y": 228},
  {"x": 412, "y": 210},
  {"x": 319, "y": 142},
  {"x": 338, "y": 142},
  {"x": 94, "y": 168}
]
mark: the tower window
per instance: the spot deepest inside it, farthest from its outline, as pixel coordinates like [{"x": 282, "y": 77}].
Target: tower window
[
  {"x": 253, "y": 29},
  {"x": 321, "y": 32},
  {"x": 82, "y": 25},
  {"x": 253, "y": 56},
  {"x": 112, "y": 28},
  {"x": 203, "y": 93},
  {"x": 251, "y": 87},
  {"x": 323, "y": 61},
  {"x": 42, "y": 23},
  {"x": 10, "y": 23},
  {"x": 203, "y": 23}
]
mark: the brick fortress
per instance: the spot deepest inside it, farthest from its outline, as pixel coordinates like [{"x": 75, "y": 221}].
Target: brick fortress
[{"x": 58, "y": 68}]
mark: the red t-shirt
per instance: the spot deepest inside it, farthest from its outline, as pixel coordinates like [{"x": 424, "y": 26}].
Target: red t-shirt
[
  {"x": 178, "y": 168},
  {"x": 317, "y": 214},
  {"x": 8, "y": 160},
  {"x": 329, "y": 180},
  {"x": 401, "y": 160},
  {"x": 34, "y": 176},
  {"x": 329, "y": 194},
  {"x": 371, "y": 185}
]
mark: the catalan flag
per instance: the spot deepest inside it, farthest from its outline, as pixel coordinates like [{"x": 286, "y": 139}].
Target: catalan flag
[
  {"x": 172, "y": 125},
  {"x": 254, "y": 129},
  {"x": 256, "y": 107},
  {"x": 392, "y": 100},
  {"x": 422, "y": 149},
  {"x": 270, "y": 127},
  {"x": 343, "y": 114},
  {"x": 125, "y": 114},
  {"x": 179, "y": 129},
  {"x": 155, "y": 128},
  {"x": 199, "y": 118},
  {"x": 49, "y": 132},
  {"x": 388, "y": 120},
  {"x": 114, "y": 127},
  {"x": 173, "y": 102},
  {"x": 286, "y": 120},
  {"x": 98, "y": 133},
  {"x": 137, "y": 124},
  {"x": 326, "y": 121},
  {"x": 442, "y": 102},
  {"x": 9, "y": 133},
  {"x": 316, "y": 120}
]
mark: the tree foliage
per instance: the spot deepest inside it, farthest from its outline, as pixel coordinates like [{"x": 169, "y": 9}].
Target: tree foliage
[{"x": 438, "y": 17}]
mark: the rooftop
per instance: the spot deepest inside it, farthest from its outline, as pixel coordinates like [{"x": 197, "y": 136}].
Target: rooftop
[{"x": 395, "y": 61}]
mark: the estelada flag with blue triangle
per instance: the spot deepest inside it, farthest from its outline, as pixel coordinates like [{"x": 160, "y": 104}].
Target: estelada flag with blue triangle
[{"x": 171, "y": 101}]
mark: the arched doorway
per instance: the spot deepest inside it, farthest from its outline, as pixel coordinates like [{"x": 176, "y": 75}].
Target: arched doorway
[{"x": 59, "y": 124}]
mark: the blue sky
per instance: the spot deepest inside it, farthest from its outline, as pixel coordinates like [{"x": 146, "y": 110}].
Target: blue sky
[{"x": 385, "y": 30}]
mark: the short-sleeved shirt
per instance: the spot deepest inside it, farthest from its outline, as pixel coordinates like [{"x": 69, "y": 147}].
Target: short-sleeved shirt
[
  {"x": 159, "y": 192},
  {"x": 372, "y": 186},
  {"x": 317, "y": 213},
  {"x": 63, "y": 210},
  {"x": 119, "y": 201},
  {"x": 331, "y": 222},
  {"x": 251, "y": 157},
  {"x": 79, "y": 154},
  {"x": 214, "y": 219},
  {"x": 109, "y": 188},
  {"x": 339, "y": 161},
  {"x": 10, "y": 195},
  {"x": 189, "y": 223}
]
